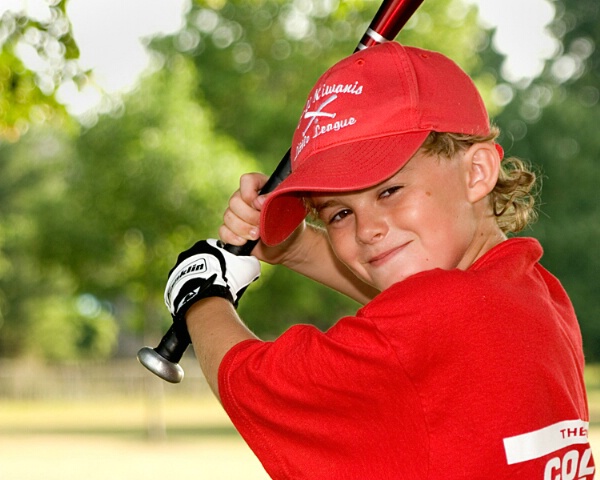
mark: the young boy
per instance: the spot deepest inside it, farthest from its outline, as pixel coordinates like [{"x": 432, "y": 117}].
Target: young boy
[{"x": 465, "y": 361}]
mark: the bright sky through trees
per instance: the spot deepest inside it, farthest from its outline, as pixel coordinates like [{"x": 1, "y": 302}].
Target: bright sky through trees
[{"x": 112, "y": 36}]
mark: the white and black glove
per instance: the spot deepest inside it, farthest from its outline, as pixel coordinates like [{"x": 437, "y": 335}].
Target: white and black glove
[{"x": 208, "y": 270}]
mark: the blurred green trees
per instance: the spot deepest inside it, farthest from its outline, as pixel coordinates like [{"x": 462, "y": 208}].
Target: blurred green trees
[
  {"x": 91, "y": 219},
  {"x": 553, "y": 123},
  {"x": 94, "y": 221},
  {"x": 257, "y": 61},
  {"x": 37, "y": 55}
]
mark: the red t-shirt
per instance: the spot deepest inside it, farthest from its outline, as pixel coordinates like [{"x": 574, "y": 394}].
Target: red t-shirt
[{"x": 474, "y": 374}]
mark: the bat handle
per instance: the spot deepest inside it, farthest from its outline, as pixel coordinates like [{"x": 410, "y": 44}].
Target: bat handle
[{"x": 164, "y": 360}]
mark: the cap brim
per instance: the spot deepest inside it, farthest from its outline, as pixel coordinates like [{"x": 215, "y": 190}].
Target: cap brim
[{"x": 348, "y": 167}]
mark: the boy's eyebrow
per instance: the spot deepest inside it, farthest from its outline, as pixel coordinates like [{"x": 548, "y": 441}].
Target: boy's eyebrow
[{"x": 322, "y": 206}]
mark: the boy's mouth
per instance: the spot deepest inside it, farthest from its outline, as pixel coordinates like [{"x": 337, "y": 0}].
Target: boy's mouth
[{"x": 383, "y": 257}]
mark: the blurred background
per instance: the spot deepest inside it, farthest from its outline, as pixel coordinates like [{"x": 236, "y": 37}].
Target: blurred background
[{"x": 124, "y": 128}]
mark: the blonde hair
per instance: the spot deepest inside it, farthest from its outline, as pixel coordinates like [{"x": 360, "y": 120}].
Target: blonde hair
[{"x": 514, "y": 196}]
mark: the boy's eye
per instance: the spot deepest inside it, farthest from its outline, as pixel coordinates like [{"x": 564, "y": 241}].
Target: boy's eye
[
  {"x": 389, "y": 191},
  {"x": 338, "y": 216}
]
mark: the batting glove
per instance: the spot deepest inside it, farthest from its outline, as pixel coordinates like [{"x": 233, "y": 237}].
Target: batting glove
[{"x": 208, "y": 270}]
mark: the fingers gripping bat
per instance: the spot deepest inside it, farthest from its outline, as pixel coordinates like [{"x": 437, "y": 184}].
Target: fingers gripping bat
[{"x": 163, "y": 360}]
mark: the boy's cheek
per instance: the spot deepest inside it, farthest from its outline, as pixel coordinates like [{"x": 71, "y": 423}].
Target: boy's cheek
[{"x": 346, "y": 251}]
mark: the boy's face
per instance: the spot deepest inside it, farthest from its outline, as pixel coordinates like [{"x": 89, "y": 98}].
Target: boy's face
[{"x": 419, "y": 219}]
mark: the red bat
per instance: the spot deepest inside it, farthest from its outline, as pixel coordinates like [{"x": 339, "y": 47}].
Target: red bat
[{"x": 163, "y": 360}]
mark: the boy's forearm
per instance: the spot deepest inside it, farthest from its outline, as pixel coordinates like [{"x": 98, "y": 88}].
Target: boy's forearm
[
  {"x": 314, "y": 258},
  {"x": 214, "y": 328}
]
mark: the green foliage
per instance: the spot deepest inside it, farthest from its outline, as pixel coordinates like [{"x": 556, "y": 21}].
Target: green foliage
[
  {"x": 145, "y": 185},
  {"x": 64, "y": 330},
  {"x": 283, "y": 298},
  {"x": 91, "y": 221},
  {"x": 27, "y": 87},
  {"x": 105, "y": 214},
  {"x": 553, "y": 123},
  {"x": 257, "y": 61}
]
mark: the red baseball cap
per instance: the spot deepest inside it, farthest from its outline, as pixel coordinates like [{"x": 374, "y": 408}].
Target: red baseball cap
[{"x": 362, "y": 122}]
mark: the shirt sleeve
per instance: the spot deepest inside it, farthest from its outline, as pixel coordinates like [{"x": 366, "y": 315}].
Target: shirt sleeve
[{"x": 311, "y": 390}]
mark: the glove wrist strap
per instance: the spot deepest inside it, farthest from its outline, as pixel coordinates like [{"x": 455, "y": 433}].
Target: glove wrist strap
[{"x": 212, "y": 291}]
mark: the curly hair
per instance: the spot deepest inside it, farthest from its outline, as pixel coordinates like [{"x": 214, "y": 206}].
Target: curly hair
[{"x": 513, "y": 199}]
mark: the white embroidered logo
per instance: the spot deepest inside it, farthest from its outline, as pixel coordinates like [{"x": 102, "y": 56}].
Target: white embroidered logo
[
  {"x": 319, "y": 113},
  {"x": 315, "y": 111}
]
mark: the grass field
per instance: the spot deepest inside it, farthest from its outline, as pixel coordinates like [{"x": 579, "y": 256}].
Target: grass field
[
  {"x": 122, "y": 439},
  {"x": 175, "y": 437}
]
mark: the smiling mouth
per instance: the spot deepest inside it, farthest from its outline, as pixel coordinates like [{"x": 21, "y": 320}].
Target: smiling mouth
[{"x": 383, "y": 257}]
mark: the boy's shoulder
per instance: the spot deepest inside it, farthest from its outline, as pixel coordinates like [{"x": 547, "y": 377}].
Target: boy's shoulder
[{"x": 510, "y": 253}]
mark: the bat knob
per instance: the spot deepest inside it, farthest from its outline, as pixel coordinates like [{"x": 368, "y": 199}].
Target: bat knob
[{"x": 159, "y": 365}]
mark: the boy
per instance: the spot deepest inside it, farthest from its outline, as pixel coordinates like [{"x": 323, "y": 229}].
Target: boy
[{"x": 465, "y": 361}]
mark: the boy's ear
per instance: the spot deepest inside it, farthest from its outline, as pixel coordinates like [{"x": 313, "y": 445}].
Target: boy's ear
[{"x": 483, "y": 167}]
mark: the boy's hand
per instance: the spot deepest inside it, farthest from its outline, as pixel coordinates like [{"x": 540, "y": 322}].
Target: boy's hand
[
  {"x": 242, "y": 217},
  {"x": 240, "y": 221},
  {"x": 207, "y": 270}
]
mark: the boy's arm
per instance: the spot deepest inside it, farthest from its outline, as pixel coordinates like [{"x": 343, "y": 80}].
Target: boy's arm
[
  {"x": 306, "y": 252},
  {"x": 214, "y": 327}
]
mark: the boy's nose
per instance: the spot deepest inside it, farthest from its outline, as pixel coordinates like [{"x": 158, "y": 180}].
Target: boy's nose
[{"x": 370, "y": 228}]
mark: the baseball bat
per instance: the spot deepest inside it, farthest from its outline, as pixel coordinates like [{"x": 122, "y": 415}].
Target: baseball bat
[{"x": 163, "y": 360}]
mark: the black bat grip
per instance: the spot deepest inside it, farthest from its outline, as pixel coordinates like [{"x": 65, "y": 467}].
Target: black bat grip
[{"x": 164, "y": 360}]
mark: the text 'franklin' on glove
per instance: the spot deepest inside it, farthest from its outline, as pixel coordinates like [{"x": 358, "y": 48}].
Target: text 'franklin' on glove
[{"x": 208, "y": 270}]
